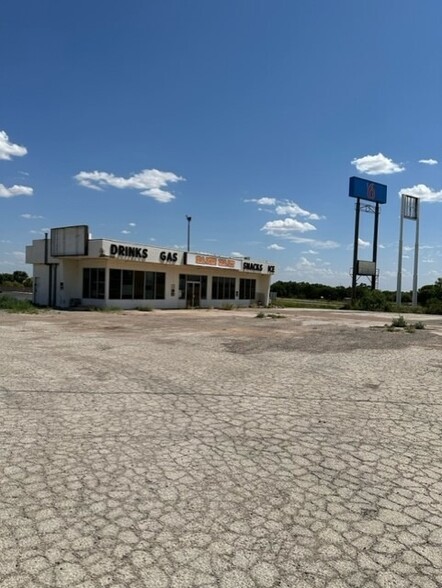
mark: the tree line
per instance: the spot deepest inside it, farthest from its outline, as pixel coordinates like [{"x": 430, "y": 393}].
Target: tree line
[
  {"x": 17, "y": 279},
  {"x": 428, "y": 296}
]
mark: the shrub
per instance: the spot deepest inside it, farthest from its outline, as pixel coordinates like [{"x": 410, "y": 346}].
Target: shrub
[
  {"x": 13, "y": 305},
  {"x": 373, "y": 300},
  {"x": 399, "y": 322},
  {"x": 434, "y": 306}
]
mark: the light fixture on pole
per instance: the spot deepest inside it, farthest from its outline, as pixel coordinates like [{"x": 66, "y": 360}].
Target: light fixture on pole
[{"x": 189, "y": 218}]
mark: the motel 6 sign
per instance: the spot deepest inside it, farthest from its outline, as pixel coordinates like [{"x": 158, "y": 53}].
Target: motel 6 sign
[{"x": 367, "y": 190}]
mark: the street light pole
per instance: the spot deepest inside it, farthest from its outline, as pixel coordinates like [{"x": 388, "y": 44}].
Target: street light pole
[{"x": 189, "y": 218}]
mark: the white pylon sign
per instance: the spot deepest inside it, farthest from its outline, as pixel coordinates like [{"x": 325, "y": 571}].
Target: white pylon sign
[{"x": 409, "y": 210}]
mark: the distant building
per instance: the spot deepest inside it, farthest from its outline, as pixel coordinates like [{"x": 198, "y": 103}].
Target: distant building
[{"x": 70, "y": 269}]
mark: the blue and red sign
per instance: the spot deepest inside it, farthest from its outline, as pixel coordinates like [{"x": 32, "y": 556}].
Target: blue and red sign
[{"x": 367, "y": 190}]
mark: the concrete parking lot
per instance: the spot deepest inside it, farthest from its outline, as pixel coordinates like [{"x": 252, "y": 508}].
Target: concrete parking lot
[{"x": 215, "y": 449}]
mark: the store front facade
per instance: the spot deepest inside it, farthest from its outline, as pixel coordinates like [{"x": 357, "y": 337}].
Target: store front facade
[{"x": 70, "y": 270}]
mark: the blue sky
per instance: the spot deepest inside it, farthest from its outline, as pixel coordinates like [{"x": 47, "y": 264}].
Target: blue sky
[{"x": 250, "y": 116}]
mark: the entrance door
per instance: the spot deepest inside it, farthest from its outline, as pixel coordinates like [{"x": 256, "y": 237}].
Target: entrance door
[{"x": 193, "y": 294}]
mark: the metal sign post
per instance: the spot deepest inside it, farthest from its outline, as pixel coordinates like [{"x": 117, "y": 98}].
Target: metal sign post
[
  {"x": 355, "y": 249},
  {"x": 409, "y": 210},
  {"x": 377, "y": 194}
]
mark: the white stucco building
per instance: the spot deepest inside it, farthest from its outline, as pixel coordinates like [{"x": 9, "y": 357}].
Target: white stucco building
[{"x": 70, "y": 269}]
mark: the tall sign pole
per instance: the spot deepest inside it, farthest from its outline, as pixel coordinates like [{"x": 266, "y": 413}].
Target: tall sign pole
[
  {"x": 409, "y": 210},
  {"x": 400, "y": 250},
  {"x": 355, "y": 250},
  {"x": 375, "y": 243},
  {"x": 416, "y": 256},
  {"x": 188, "y": 218},
  {"x": 376, "y": 194}
]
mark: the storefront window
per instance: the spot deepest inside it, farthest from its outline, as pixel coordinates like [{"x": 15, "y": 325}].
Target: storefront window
[
  {"x": 133, "y": 285},
  {"x": 115, "y": 284},
  {"x": 93, "y": 282},
  {"x": 223, "y": 288},
  {"x": 247, "y": 289},
  {"x": 127, "y": 291}
]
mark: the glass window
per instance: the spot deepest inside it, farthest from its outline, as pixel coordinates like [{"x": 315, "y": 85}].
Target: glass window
[
  {"x": 155, "y": 286},
  {"x": 247, "y": 289},
  {"x": 150, "y": 286},
  {"x": 115, "y": 284},
  {"x": 139, "y": 285},
  {"x": 160, "y": 285},
  {"x": 93, "y": 282},
  {"x": 127, "y": 290},
  {"x": 223, "y": 288},
  {"x": 128, "y": 284}
]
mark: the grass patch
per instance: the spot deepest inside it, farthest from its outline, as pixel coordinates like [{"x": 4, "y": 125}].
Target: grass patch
[
  {"x": 298, "y": 303},
  {"x": 144, "y": 308},
  {"x": 11, "y": 304},
  {"x": 228, "y": 306},
  {"x": 101, "y": 308},
  {"x": 272, "y": 315},
  {"x": 400, "y": 323}
]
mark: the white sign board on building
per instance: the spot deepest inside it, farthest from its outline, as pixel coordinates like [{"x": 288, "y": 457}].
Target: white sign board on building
[{"x": 67, "y": 241}]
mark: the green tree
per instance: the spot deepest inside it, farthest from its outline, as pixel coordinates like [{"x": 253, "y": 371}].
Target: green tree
[{"x": 19, "y": 276}]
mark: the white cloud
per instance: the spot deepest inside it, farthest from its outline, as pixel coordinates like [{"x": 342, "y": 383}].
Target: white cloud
[
  {"x": 237, "y": 254},
  {"x": 306, "y": 269},
  {"x": 376, "y": 165},
  {"x": 149, "y": 182},
  {"x": 304, "y": 262},
  {"x": 285, "y": 208},
  {"x": 44, "y": 230},
  {"x": 310, "y": 252},
  {"x": 18, "y": 253},
  {"x": 125, "y": 232},
  {"x": 132, "y": 225},
  {"x": 429, "y": 161},
  {"x": 9, "y": 150},
  {"x": 286, "y": 227},
  {"x": 27, "y": 215},
  {"x": 428, "y": 261},
  {"x": 315, "y": 242},
  {"x": 15, "y": 191},
  {"x": 291, "y": 209},
  {"x": 363, "y": 243},
  {"x": 275, "y": 247},
  {"x": 425, "y": 193},
  {"x": 264, "y": 201}
]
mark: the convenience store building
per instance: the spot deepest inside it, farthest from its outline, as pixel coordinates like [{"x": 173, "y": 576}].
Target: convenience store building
[{"x": 70, "y": 269}]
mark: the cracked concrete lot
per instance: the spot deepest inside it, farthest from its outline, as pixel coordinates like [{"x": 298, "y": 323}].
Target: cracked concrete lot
[{"x": 213, "y": 449}]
